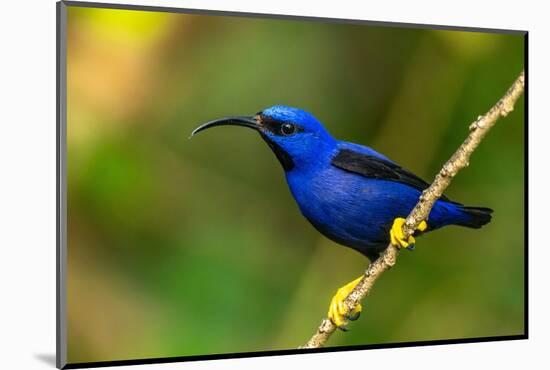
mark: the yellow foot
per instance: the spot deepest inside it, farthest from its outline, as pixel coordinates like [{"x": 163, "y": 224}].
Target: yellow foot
[
  {"x": 397, "y": 237},
  {"x": 338, "y": 312}
]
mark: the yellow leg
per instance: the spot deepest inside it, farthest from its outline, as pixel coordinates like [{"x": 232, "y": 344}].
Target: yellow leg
[
  {"x": 338, "y": 312},
  {"x": 396, "y": 233}
]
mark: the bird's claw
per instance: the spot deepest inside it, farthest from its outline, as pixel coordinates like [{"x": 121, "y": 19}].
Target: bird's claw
[
  {"x": 338, "y": 312},
  {"x": 398, "y": 238}
]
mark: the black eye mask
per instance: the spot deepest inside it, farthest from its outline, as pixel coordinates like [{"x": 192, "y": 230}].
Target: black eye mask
[{"x": 279, "y": 128}]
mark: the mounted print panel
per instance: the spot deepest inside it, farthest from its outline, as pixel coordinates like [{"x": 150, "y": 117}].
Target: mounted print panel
[{"x": 222, "y": 175}]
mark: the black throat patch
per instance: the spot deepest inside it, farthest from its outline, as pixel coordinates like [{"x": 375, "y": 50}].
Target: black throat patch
[{"x": 283, "y": 157}]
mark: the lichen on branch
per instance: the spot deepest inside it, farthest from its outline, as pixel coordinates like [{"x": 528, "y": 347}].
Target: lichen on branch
[{"x": 460, "y": 159}]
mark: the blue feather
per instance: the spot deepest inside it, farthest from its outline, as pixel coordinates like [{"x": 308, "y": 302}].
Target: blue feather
[
  {"x": 348, "y": 192},
  {"x": 353, "y": 210}
]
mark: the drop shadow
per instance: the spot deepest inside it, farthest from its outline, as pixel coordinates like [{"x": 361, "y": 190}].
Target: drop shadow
[{"x": 47, "y": 358}]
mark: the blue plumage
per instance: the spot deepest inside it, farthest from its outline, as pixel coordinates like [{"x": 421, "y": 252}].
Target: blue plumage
[{"x": 349, "y": 192}]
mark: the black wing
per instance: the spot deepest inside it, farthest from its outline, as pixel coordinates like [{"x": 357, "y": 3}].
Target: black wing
[{"x": 377, "y": 168}]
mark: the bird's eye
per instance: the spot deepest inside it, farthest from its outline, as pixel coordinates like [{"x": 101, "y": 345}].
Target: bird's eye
[{"x": 287, "y": 129}]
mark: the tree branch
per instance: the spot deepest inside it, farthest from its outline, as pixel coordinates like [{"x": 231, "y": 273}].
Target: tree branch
[{"x": 459, "y": 160}]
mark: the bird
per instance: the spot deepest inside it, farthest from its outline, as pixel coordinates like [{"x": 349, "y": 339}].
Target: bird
[{"x": 352, "y": 194}]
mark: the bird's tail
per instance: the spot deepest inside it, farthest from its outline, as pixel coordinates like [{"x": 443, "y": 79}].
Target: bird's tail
[{"x": 476, "y": 217}]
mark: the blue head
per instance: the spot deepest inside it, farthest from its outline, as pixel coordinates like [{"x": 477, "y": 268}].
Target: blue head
[{"x": 296, "y": 137}]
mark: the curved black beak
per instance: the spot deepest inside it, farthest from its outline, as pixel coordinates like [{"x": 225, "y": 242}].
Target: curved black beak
[{"x": 246, "y": 121}]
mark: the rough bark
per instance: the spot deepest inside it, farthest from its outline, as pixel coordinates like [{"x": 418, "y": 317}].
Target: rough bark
[{"x": 460, "y": 159}]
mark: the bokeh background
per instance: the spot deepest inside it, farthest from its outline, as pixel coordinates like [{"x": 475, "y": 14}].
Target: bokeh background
[{"x": 188, "y": 247}]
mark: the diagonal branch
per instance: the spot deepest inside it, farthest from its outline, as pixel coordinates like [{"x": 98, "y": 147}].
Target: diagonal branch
[{"x": 459, "y": 160}]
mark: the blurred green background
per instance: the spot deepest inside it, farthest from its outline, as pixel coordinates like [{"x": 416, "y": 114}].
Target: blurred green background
[{"x": 187, "y": 247}]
